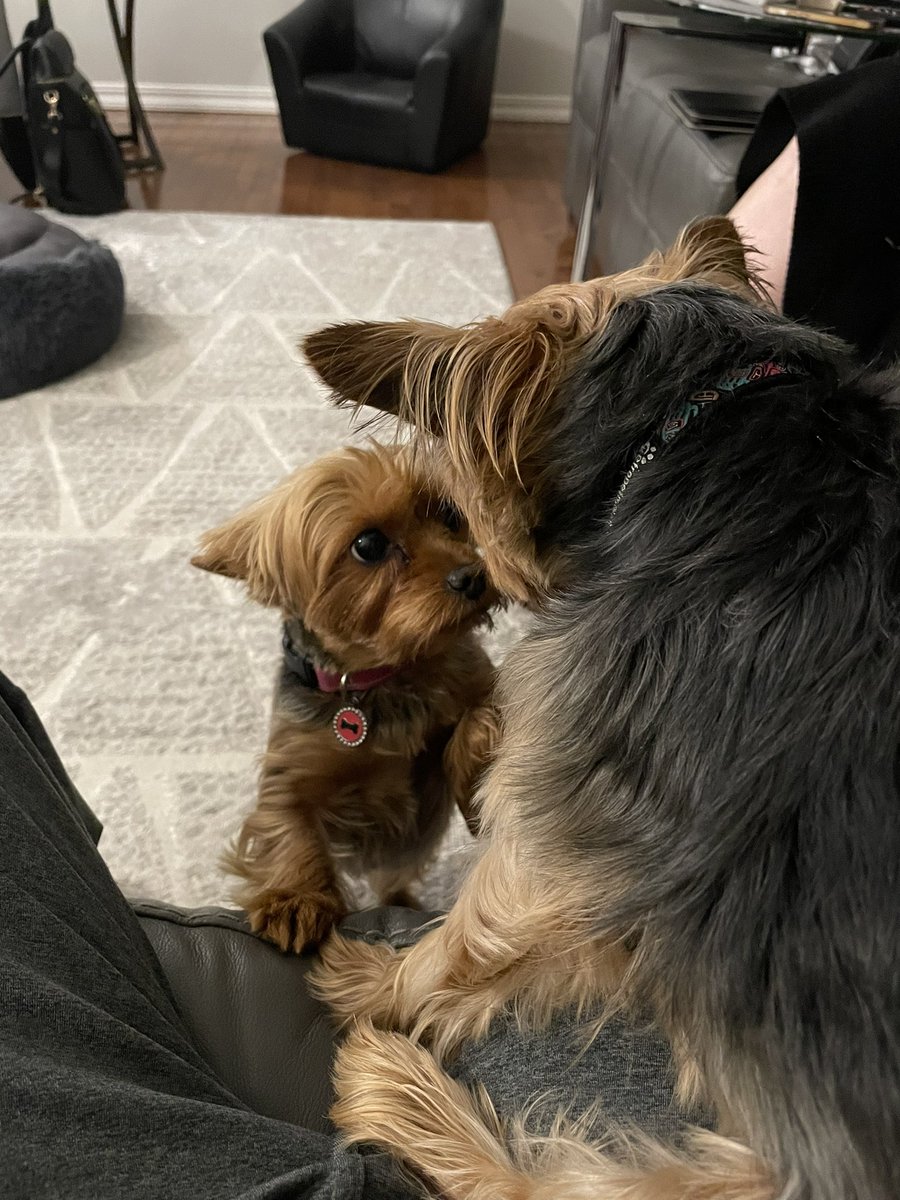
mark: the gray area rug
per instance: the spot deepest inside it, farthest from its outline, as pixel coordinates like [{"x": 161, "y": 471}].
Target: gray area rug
[{"x": 153, "y": 678}]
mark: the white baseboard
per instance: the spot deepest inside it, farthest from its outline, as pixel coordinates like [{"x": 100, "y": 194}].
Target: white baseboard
[
  {"x": 548, "y": 109},
  {"x": 227, "y": 98},
  {"x": 192, "y": 97}
]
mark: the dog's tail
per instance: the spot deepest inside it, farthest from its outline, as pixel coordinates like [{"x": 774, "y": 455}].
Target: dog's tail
[{"x": 394, "y": 1094}]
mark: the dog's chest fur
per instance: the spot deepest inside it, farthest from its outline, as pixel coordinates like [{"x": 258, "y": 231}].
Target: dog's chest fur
[{"x": 385, "y": 802}]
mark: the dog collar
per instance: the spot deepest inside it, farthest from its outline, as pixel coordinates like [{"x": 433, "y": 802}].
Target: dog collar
[
  {"x": 758, "y": 372},
  {"x": 350, "y": 724},
  {"x": 352, "y": 681},
  {"x": 312, "y": 676}
]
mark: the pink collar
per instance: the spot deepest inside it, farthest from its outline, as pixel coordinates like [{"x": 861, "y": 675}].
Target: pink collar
[
  {"x": 353, "y": 681},
  {"x": 331, "y": 681}
]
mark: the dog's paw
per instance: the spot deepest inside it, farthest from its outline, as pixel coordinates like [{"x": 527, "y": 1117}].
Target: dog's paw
[
  {"x": 356, "y": 979},
  {"x": 376, "y": 1075},
  {"x": 391, "y": 1093},
  {"x": 294, "y": 921}
]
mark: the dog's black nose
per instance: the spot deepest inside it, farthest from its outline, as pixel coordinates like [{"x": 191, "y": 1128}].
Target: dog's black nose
[{"x": 469, "y": 580}]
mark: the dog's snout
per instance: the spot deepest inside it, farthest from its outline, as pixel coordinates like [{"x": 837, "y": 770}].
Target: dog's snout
[{"x": 469, "y": 581}]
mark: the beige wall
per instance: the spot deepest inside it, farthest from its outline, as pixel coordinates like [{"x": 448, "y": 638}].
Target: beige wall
[
  {"x": 208, "y": 53},
  {"x": 537, "y": 51}
]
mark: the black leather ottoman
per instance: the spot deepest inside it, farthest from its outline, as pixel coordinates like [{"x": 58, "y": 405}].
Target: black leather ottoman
[{"x": 659, "y": 174}]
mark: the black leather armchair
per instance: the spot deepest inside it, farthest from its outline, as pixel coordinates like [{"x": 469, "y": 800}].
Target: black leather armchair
[{"x": 400, "y": 83}]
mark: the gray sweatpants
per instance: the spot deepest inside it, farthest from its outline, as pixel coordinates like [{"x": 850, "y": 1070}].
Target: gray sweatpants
[{"x": 102, "y": 1093}]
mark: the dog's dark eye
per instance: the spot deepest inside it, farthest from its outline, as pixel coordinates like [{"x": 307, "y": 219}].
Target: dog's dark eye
[
  {"x": 450, "y": 516},
  {"x": 371, "y": 546}
]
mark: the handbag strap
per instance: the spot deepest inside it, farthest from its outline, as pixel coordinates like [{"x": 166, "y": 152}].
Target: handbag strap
[
  {"x": 42, "y": 23},
  {"x": 45, "y": 17},
  {"x": 11, "y": 58}
]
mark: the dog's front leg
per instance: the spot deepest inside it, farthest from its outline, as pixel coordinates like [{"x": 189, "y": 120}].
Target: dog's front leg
[
  {"x": 510, "y": 937},
  {"x": 291, "y": 894},
  {"x": 467, "y": 756}
]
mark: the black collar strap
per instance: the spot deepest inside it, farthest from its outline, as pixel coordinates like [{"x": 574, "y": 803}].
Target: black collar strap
[
  {"x": 761, "y": 372},
  {"x": 323, "y": 680},
  {"x": 297, "y": 664}
]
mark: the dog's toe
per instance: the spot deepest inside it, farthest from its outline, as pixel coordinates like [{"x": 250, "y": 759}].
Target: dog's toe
[{"x": 294, "y": 922}]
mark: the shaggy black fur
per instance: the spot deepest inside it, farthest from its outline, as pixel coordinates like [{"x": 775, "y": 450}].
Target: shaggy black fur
[{"x": 718, "y": 715}]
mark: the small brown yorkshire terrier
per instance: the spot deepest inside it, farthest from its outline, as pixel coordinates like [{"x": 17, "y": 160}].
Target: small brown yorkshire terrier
[
  {"x": 382, "y": 715},
  {"x": 694, "y": 810}
]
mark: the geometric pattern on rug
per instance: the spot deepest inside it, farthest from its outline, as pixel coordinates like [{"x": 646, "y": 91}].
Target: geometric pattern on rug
[{"x": 153, "y": 678}]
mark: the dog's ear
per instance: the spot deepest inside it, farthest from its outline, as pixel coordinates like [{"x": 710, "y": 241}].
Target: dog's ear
[
  {"x": 227, "y": 549},
  {"x": 710, "y": 249},
  {"x": 366, "y": 362},
  {"x": 249, "y": 547},
  {"x": 485, "y": 388}
]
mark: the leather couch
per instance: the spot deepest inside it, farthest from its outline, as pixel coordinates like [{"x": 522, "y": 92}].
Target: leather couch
[
  {"x": 247, "y": 1006},
  {"x": 400, "y": 83},
  {"x": 659, "y": 174},
  {"x": 253, "y": 1020}
]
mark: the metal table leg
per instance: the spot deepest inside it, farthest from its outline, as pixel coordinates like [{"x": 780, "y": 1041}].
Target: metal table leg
[
  {"x": 614, "y": 64},
  {"x": 139, "y": 126}
]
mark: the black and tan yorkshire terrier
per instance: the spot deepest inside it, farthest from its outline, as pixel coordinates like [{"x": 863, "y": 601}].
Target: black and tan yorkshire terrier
[
  {"x": 382, "y": 716},
  {"x": 694, "y": 807}
]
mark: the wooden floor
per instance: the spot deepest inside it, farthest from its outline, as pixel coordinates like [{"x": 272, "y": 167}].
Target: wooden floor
[{"x": 218, "y": 163}]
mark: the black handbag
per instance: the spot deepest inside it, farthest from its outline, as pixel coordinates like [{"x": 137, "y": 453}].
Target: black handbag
[{"x": 77, "y": 162}]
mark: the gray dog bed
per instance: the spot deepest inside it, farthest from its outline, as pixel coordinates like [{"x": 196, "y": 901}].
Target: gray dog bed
[{"x": 61, "y": 301}]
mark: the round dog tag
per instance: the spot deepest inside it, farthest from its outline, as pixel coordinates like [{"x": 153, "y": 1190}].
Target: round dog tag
[{"x": 350, "y": 726}]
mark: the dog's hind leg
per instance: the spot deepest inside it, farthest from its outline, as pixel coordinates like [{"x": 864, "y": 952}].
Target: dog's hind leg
[
  {"x": 392, "y": 1092},
  {"x": 511, "y": 938}
]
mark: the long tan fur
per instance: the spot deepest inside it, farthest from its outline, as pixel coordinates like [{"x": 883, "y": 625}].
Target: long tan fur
[{"x": 393, "y": 1093}]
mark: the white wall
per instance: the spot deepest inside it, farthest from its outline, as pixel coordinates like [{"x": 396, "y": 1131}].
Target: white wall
[
  {"x": 537, "y": 59},
  {"x": 207, "y": 54}
]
